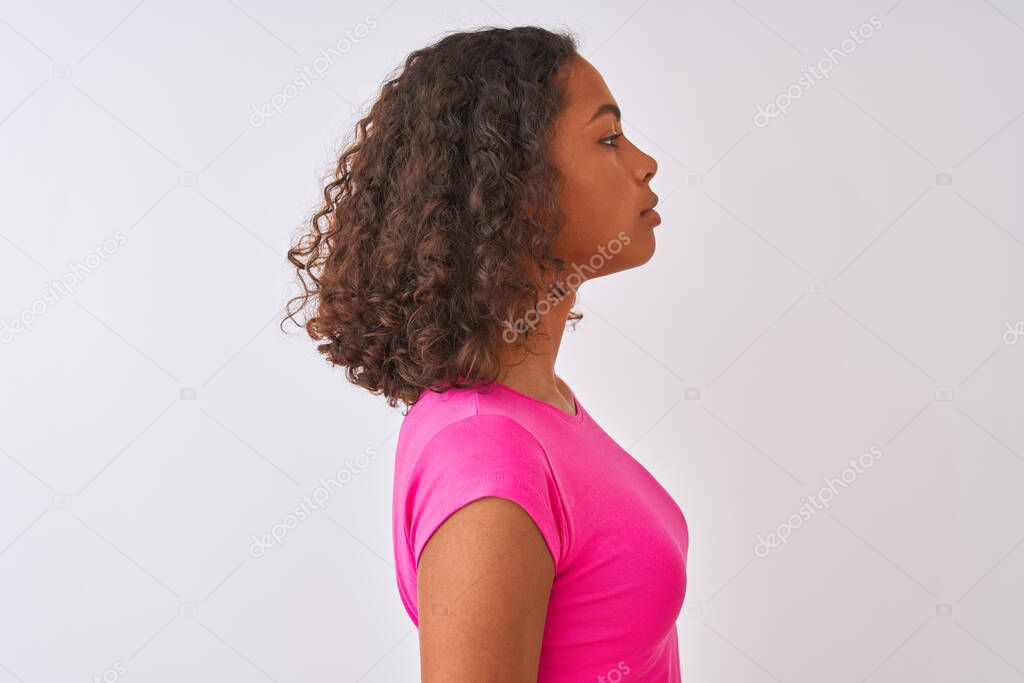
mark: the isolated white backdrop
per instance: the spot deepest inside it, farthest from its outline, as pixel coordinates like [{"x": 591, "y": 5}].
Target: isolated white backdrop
[{"x": 849, "y": 275}]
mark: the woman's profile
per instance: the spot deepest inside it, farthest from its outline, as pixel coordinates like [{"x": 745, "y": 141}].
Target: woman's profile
[{"x": 489, "y": 181}]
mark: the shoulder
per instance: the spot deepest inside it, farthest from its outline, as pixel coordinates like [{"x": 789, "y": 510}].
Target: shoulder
[
  {"x": 499, "y": 439},
  {"x": 480, "y": 456}
]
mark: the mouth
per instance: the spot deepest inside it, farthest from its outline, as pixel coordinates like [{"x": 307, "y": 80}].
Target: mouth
[
  {"x": 651, "y": 206},
  {"x": 651, "y": 216}
]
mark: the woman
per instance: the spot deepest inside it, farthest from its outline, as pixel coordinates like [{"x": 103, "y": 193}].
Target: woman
[{"x": 489, "y": 180}]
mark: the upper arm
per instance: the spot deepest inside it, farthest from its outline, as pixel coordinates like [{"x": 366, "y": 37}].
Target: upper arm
[{"x": 483, "y": 585}]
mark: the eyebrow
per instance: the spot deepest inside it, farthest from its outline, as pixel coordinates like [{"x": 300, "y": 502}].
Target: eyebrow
[{"x": 604, "y": 109}]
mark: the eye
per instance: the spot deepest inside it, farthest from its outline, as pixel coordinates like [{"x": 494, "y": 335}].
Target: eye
[{"x": 610, "y": 138}]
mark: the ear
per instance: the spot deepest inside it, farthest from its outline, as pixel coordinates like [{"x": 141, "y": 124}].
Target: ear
[{"x": 527, "y": 210}]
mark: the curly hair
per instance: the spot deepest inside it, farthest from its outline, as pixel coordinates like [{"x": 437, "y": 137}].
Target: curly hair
[{"x": 436, "y": 228}]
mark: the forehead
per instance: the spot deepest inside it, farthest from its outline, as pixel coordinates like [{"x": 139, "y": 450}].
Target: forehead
[{"x": 585, "y": 91}]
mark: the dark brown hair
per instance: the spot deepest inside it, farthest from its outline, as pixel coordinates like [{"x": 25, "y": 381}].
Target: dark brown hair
[{"x": 435, "y": 231}]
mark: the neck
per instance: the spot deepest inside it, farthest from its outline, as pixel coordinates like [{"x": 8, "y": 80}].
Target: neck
[{"x": 531, "y": 370}]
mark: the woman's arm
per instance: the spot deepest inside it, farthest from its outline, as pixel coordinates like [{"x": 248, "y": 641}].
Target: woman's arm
[{"x": 483, "y": 584}]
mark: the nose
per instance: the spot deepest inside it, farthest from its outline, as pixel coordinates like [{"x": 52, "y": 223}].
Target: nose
[{"x": 648, "y": 166}]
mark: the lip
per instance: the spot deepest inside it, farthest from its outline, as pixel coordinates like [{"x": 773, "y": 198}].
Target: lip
[
  {"x": 651, "y": 206},
  {"x": 651, "y": 215}
]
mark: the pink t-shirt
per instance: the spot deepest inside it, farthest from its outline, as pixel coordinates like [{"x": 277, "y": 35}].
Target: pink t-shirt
[{"x": 618, "y": 539}]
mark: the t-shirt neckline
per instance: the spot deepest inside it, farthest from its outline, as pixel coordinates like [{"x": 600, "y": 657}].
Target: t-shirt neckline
[{"x": 577, "y": 418}]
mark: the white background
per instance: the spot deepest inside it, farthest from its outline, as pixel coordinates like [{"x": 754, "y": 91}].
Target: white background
[{"x": 816, "y": 286}]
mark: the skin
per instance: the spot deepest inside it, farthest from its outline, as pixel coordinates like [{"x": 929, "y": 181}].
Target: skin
[{"x": 485, "y": 575}]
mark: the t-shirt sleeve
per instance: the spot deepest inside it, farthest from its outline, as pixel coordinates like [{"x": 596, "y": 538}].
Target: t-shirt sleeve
[{"x": 475, "y": 457}]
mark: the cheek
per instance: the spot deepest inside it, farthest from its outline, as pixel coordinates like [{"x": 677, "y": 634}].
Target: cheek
[
  {"x": 595, "y": 210},
  {"x": 601, "y": 191}
]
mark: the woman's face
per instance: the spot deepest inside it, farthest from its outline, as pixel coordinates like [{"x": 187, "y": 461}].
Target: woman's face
[{"x": 606, "y": 181}]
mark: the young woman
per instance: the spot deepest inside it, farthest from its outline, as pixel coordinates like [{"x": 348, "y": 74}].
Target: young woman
[{"x": 489, "y": 180}]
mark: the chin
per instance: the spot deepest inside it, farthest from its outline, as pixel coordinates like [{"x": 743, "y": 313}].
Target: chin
[
  {"x": 647, "y": 257},
  {"x": 638, "y": 253},
  {"x": 642, "y": 248},
  {"x": 635, "y": 248}
]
